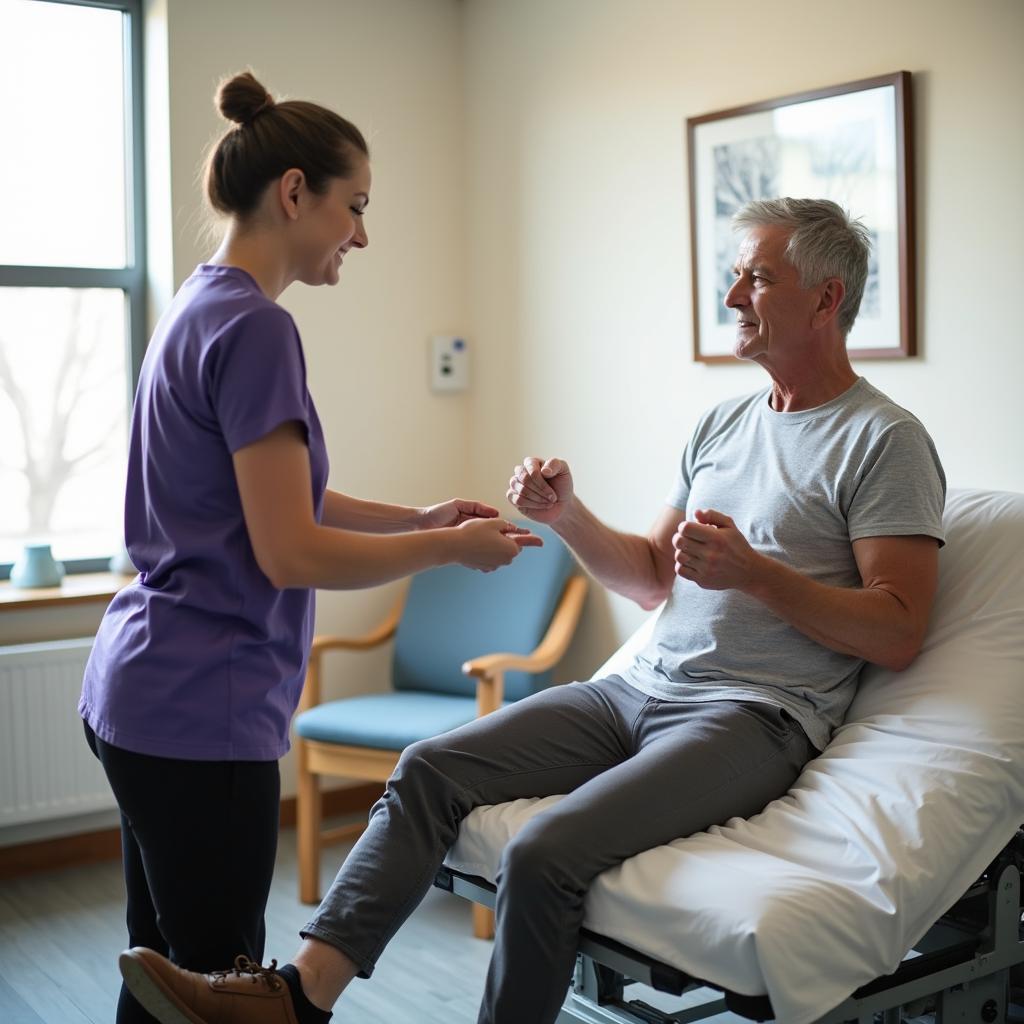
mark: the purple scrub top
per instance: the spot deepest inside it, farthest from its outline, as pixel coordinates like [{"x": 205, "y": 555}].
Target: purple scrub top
[{"x": 201, "y": 657}]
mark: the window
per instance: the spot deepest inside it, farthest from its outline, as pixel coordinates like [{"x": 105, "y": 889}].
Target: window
[{"x": 72, "y": 272}]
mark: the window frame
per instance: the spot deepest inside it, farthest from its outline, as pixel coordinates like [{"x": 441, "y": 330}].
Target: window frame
[{"x": 131, "y": 278}]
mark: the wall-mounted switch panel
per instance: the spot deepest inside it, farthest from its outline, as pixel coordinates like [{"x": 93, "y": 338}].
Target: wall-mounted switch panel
[{"x": 449, "y": 363}]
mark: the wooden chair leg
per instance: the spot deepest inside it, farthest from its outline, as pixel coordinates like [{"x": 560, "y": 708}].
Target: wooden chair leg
[
  {"x": 483, "y": 922},
  {"x": 308, "y": 816}
]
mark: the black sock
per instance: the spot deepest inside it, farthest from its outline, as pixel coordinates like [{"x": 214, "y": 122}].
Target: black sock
[{"x": 306, "y": 1012}]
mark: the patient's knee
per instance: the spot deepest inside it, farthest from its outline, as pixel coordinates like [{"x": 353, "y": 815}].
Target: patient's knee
[
  {"x": 432, "y": 765},
  {"x": 427, "y": 781},
  {"x": 541, "y": 855},
  {"x": 420, "y": 752},
  {"x": 417, "y": 759}
]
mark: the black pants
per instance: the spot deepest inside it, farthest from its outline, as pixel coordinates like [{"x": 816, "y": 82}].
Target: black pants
[{"x": 198, "y": 840}]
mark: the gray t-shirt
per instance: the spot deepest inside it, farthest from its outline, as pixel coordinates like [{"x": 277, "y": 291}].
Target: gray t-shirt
[{"x": 800, "y": 486}]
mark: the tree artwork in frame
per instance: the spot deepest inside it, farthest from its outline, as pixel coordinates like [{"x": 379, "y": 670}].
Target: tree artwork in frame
[{"x": 850, "y": 143}]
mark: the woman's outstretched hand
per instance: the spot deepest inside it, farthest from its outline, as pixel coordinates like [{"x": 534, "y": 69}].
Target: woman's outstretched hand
[
  {"x": 488, "y": 544},
  {"x": 454, "y": 512}
]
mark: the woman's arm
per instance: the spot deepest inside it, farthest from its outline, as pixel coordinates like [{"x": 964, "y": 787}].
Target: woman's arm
[
  {"x": 293, "y": 550},
  {"x": 344, "y": 512}
]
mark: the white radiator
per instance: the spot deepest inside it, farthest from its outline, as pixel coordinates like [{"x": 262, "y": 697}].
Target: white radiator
[{"x": 46, "y": 767}]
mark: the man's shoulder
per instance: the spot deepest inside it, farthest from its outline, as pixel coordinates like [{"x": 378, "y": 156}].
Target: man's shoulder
[
  {"x": 730, "y": 412},
  {"x": 878, "y": 412}
]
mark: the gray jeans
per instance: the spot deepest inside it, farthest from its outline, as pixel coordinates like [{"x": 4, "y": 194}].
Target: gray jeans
[{"x": 639, "y": 772}]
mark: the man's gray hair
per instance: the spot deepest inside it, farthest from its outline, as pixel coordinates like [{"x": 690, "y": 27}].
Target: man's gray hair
[{"x": 825, "y": 242}]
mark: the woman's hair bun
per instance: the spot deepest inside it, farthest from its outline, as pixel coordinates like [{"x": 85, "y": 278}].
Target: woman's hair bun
[
  {"x": 241, "y": 97},
  {"x": 294, "y": 133}
]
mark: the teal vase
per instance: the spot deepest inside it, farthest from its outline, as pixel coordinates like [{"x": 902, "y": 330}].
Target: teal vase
[{"x": 36, "y": 567}]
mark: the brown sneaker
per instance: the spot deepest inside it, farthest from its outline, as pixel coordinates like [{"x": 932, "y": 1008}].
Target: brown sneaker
[{"x": 246, "y": 994}]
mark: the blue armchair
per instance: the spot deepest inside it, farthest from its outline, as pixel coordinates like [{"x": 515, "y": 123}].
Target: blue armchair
[{"x": 464, "y": 643}]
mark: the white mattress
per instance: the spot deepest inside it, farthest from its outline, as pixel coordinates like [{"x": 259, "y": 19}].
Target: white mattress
[{"x": 831, "y": 885}]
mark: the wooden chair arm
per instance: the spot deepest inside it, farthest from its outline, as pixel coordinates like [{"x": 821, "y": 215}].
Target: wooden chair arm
[
  {"x": 550, "y": 649},
  {"x": 385, "y": 630},
  {"x": 489, "y": 669},
  {"x": 379, "y": 634}
]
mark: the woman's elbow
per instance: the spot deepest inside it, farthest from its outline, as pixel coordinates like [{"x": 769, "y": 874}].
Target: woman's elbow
[
  {"x": 278, "y": 575},
  {"x": 288, "y": 558},
  {"x": 282, "y": 569}
]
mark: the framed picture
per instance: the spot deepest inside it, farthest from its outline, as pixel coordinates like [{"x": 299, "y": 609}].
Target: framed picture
[{"x": 849, "y": 143}]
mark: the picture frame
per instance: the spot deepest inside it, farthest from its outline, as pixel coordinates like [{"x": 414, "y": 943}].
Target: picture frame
[{"x": 851, "y": 143}]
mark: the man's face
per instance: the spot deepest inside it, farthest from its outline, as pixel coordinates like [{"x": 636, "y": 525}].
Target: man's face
[{"x": 773, "y": 313}]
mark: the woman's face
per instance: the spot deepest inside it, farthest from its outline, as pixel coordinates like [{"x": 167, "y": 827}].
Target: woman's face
[{"x": 334, "y": 225}]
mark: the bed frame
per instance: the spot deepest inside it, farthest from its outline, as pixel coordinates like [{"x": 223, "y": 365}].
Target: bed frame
[{"x": 960, "y": 971}]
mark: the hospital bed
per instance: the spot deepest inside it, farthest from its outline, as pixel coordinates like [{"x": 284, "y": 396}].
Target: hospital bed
[{"x": 885, "y": 884}]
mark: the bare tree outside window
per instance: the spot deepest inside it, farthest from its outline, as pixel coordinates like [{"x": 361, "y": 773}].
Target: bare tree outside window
[
  {"x": 72, "y": 274},
  {"x": 63, "y": 418}
]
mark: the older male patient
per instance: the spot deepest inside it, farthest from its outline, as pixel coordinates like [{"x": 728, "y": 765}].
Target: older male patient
[{"x": 799, "y": 540}]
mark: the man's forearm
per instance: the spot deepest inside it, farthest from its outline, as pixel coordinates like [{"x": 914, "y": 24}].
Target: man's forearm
[
  {"x": 867, "y": 622},
  {"x": 343, "y": 512},
  {"x": 622, "y": 562}
]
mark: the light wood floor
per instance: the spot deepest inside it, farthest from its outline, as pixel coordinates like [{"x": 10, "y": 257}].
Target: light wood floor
[{"x": 61, "y": 931}]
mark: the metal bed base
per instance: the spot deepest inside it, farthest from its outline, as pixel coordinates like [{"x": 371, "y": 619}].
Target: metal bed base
[{"x": 958, "y": 972}]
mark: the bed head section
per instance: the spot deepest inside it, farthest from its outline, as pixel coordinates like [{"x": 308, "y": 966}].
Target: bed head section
[{"x": 966, "y": 687}]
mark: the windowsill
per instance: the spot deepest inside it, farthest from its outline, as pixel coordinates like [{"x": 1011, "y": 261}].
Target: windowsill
[{"x": 80, "y": 588}]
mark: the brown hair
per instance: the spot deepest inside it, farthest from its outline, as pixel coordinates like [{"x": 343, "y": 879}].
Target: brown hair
[{"x": 269, "y": 138}]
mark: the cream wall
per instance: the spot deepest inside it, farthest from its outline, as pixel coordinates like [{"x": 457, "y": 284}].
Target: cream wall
[{"x": 579, "y": 286}]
